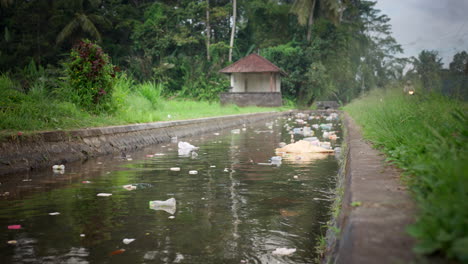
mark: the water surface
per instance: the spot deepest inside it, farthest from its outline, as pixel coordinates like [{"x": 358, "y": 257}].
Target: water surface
[{"x": 233, "y": 211}]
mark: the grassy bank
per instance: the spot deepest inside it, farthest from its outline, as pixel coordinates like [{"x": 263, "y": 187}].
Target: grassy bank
[
  {"x": 426, "y": 136},
  {"x": 42, "y": 109}
]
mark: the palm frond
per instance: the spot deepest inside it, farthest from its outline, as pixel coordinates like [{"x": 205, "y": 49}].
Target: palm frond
[
  {"x": 101, "y": 21},
  {"x": 88, "y": 27},
  {"x": 302, "y": 9},
  {"x": 68, "y": 30}
]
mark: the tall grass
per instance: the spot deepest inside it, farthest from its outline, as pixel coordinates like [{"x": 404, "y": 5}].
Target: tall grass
[{"x": 426, "y": 136}]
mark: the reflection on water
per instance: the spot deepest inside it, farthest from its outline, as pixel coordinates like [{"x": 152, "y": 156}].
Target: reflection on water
[{"x": 233, "y": 211}]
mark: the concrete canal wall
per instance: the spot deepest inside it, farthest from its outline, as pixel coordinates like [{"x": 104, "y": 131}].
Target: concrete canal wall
[
  {"x": 43, "y": 149},
  {"x": 375, "y": 210}
]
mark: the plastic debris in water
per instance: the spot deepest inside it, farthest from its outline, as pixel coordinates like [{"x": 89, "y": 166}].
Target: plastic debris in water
[
  {"x": 127, "y": 241},
  {"x": 129, "y": 187},
  {"x": 54, "y": 213},
  {"x": 284, "y": 251},
  {"x": 82, "y": 235},
  {"x": 175, "y": 169},
  {"x": 216, "y": 134},
  {"x": 169, "y": 205},
  {"x": 117, "y": 252},
  {"x": 235, "y": 131},
  {"x": 212, "y": 166},
  {"x": 104, "y": 194},
  {"x": 171, "y": 217},
  {"x": 193, "y": 172},
  {"x": 185, "y": 148},
  {"x": 58, "y": 167},
  {"x": 11, "y": 227},
  {"x": 85, "y": 182},
  {"x": 149, "y": 156},
  {"x": 226, "y": 170},
  {"x": 12, "y": 242}
]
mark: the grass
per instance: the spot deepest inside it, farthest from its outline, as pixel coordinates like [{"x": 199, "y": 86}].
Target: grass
[
  {"x": 39, "y": 109},
  {"x": 426, "y": 136}
]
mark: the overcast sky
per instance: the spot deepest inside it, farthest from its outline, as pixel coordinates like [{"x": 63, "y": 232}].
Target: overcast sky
[{"x": 440, "y": 25}]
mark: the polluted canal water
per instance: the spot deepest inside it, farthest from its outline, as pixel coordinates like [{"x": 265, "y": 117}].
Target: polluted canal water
[{"x": 232, "y": 199}]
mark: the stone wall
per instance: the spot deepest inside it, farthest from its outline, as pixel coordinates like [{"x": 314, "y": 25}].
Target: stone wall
[{"x": 252, "y": 99}]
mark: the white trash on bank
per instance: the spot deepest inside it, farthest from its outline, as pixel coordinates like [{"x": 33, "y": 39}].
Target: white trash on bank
[
  {"x": 284, "y": 251},
  {"x": 169, "y": 205}
]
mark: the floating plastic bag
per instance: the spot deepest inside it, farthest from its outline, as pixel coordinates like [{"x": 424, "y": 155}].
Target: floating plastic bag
[
  {"x": 284, "y": 251},
  {"x": 169, "y": 205}
]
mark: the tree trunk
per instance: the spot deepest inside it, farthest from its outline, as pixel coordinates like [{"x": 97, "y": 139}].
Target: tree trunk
[
  {"x": 233, "y": 32},
  {"x": 208, "y": 30},
  {"x": 311, "y": 21}
]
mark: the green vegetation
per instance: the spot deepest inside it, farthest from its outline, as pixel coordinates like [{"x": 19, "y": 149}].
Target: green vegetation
[
  {"x": 132, "y": 103},
  {"x": 426, "y": 136}
]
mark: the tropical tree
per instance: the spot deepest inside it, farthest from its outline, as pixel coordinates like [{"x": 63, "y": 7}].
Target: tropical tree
[
  {"x": 233, "y": 30},
  {"x": 428, "y": 66},
  {"x": 308, "y": 10},
  {"x": 84, "y": 22}
]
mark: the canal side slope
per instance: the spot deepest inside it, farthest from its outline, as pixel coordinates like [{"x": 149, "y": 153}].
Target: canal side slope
[
  {"x": 376, "y": 208},
  {"x": 42, "y": 149}
]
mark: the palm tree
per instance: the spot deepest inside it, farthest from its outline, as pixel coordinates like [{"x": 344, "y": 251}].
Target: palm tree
[
  {"x": 233, "y": 32},
  {"x": 306, "y": 10},
  {"x": 85, "y": 21}
]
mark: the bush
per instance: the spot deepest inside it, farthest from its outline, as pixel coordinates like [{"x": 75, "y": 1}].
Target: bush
[{"x": 90, "y": 77}]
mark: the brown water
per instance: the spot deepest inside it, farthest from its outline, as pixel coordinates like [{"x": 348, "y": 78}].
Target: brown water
[{"x": 236, "y": 212}]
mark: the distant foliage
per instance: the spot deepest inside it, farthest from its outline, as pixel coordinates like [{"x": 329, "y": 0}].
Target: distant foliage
[{"x": 90, "y": 76}]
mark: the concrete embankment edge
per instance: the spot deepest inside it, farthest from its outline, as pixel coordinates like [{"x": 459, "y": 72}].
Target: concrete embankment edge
[
  {"x": 376, "y": 208},
  {"x": 43, "y": 149}
]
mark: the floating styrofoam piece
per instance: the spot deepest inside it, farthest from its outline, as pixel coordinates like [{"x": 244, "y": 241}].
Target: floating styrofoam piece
[
  {"x": 175, "y": 169},
  {"x": 159, "y": 154},
  {"x": 54, "y": 213},
  {"x": 14, "y": 227},
  {"x": 213, "y": 166},
  {"x": 171, "y": 217},
  {"x": 193, "y": 172},
  {"x": 284, "y": 251},
  {"x": 127, "y": 241},
  {"x": 216, "y": 134},
  {"x": 169, "y": 205},
  {"x": 104, "y": 194}
]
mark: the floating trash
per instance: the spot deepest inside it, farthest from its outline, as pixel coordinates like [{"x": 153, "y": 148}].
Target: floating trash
[
  {"x": 85, "y": 182},
  {"x": 235, "y": 131},
  {"x": 127, "y": 241},
  {"x": 226, "y": 170},
  {"x": 58, "y": 167},
  {"x": 284, "y": 251},
  {"x": 129, "y": 187},
  {"x": 149, "y": 156},
  {"x": 193, "y": 172},
  {"x": 104, "y": 194},
  {"x": 212, "y": 166},
  {"x": 171, "y": 217},
  {"x": 216, "y": 134},
  {"x": 14, "y": 227},
  {"x": 117, "y": 252},
  {"x": 82, "y": 235},
  {"x": 168, "y": 206},
  {"x": 282, "y": 144},
  {"x": 175, "y": 169},
  {"x": 54, "y": 213},
  {"x": 185, "y": 148},
  {"x": 12, "y": 242},
  {"x": 303, "y": 146},
  {"x": 174, "y": 139}
]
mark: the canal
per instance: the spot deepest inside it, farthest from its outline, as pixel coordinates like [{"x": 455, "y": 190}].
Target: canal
[{"x": 232, "y": 203}]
